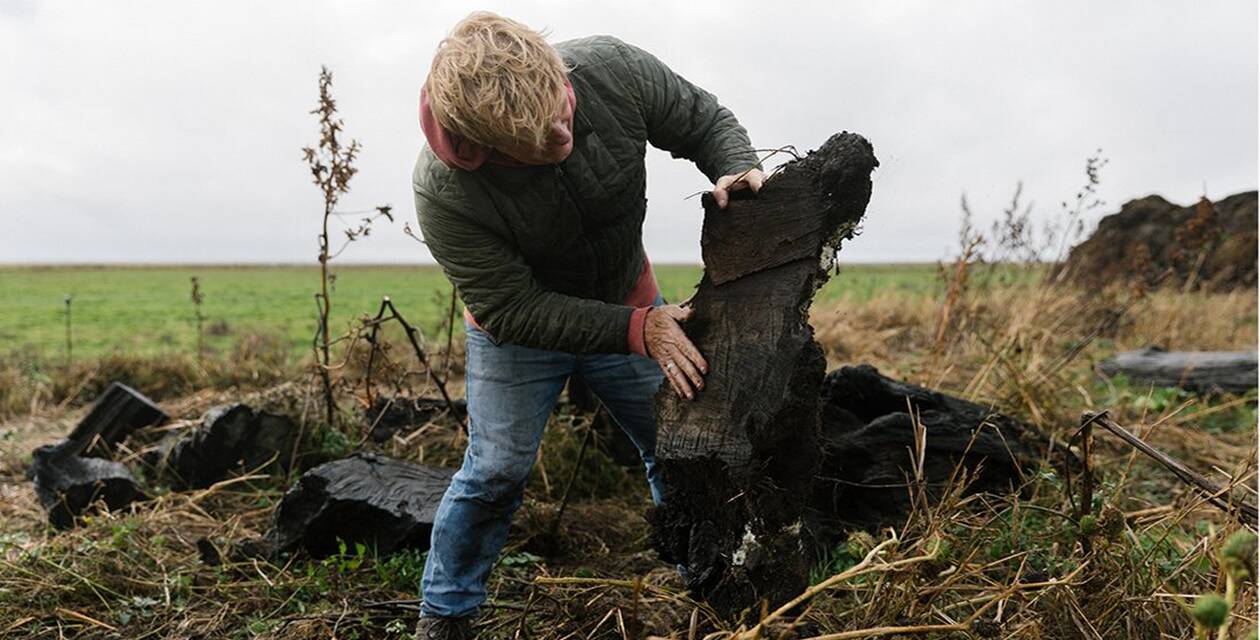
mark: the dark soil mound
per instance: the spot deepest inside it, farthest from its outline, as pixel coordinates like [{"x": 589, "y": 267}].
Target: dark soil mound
[{"x": 1210, "y": 244}]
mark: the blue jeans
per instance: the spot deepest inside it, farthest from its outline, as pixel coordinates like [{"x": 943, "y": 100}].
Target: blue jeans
[{"x": 511, "y": 391}]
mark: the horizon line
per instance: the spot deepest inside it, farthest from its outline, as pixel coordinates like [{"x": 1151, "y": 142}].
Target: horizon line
[{"x": 252, "y": 265}]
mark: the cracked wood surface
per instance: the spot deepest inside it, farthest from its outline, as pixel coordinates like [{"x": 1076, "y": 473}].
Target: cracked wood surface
[{"x": 739, "y": 460}]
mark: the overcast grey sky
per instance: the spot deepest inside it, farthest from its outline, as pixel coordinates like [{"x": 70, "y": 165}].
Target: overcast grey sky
[{"x": 170, "y": 131}]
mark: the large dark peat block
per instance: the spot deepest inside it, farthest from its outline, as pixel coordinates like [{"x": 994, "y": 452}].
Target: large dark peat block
[
  {"x": 868, "y": 438},
  {"x": 67, "y": 483},
  {"x": 74, "y": 472},
  {"x": 114, "y": 416},
  {"x": 231, "y": 439},
  {"x": 385, "y": 503},
  {"x": 738, "y": 462}
]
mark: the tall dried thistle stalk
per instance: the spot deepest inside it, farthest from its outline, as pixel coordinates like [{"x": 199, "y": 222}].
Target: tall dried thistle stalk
[{"x": 332, "y": 164}]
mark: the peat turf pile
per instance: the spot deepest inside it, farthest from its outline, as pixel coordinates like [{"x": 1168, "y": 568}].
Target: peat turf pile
[{"x": 1210, "y": 243}]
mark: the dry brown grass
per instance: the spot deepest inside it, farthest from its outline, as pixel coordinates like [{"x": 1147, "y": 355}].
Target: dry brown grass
[
  {"x": 971, "y": 566},
  {"x": 33, "y": 384}
]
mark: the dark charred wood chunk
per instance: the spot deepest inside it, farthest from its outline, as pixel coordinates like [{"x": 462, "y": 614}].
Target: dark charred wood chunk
[
  {"x": 67, "y": 484},
  {"x": 391, "y": 415},
  {"x": 738, "y": 461},
  {"x": 115, "y": 414},
  {"x": 1200, "y": 371},
  {"x": 231, "y": 439},
  {"x": 868, "y": 436},
  {"x": 385, "y": 503}
]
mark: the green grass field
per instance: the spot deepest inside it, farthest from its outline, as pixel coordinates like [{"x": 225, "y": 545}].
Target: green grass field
[{"x": 148, "y": 310}]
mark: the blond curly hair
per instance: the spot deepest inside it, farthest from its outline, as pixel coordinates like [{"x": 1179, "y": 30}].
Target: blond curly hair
[{"x": 497, "y": 82}]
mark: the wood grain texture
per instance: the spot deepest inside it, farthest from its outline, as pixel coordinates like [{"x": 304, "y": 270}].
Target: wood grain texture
[
  {"x": 382, "y": 502},
  {"x": 739, "y": 460},
  {"x": 1204, "y": 371},
  {"x": 113, "y": 417}
]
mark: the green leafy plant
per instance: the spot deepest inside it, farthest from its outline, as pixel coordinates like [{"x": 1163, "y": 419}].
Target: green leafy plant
[{"x": 519, "y": 559}]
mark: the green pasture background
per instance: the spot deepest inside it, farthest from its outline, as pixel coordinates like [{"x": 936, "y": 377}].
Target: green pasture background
[{"x": 147, "y": 310}]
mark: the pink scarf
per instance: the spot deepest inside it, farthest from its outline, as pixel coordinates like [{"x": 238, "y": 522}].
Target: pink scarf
[{"x": 459, "y": 152}]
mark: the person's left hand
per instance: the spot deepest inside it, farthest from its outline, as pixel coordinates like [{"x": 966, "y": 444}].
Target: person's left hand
[{"x": 750, "y": 179}]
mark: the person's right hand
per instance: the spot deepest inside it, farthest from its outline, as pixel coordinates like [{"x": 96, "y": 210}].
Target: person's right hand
[
  {"x": 750, "y": 179},
  {"x": 666, "y": 343}
]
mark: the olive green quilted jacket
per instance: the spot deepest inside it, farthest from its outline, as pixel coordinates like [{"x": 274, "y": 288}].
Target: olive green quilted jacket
[{"x": 543, "y": 255}]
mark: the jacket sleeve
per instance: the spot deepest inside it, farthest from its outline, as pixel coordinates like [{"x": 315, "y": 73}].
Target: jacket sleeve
[
  {"x": 500, "y": 290},
  {"x": 686, "y": 120}
]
